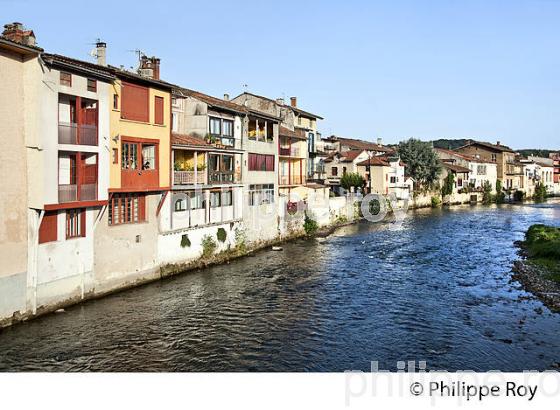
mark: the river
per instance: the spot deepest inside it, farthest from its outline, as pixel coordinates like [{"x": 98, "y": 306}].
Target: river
[{"x": 434, "y": 288}]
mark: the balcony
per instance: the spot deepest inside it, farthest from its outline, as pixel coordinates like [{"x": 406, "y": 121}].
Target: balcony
[
  {"x": 226, "y": 177},
  {"x": 289, "y": 151},
  {"x": 189, "y": 177},
  {"x": 77, "y": 134},
  {"x": 291, "y": 180},
  {"x": 74, "y": 192}
]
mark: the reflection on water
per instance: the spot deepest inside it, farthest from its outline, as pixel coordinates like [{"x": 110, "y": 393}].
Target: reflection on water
[{"x": 436, "y": 288}]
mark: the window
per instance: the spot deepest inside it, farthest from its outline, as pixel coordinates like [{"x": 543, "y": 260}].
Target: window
[
  {"x": 261, "y": 162},
  {"x": 481, "y": 169},
  {"x": 127, "y": 208},
  {"x": 227, "y": 198},
  {"x": 215, "y": 199},
  {"x": 215, "y": 126},
  {"x": 115, "y": 155},
  {"x": 227, "y": 130},
  {"x": 343, "y": 170},
  {"x": 135, "y": 102},
  {"x": 261, "y": 130},
  {"x": 75, "y": 223},
  {"x": 334, "y": 171},
  {"x": 180, "y": 205},
  {"x": 48, "y": 228},
  {"x": 129, "y": 156},
  {"x": 65, "y": 79},
  {"x": 158, "y": 110},
  {"x": 174, "y": 124},
  {"x": 148, "y": 156},
  {"x": 92, "y": 85},
  {"x": 494, "y": 157},
  {"x": 115, "y": 101},
  {"x": 261, "y": 194},
  {"x": 135, "y": 155},
  {"x": 393, "y": 180},
  {"x": 196, "y": 200}
]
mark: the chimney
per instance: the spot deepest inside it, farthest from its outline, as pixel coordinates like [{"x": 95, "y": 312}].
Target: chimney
[
  {"x": 293, "y": 101},
  {"x": 149, "y": 67},
  {"x": 226, "y": 97},
  {"x": 101, "y": 53},
  {"x": 17, "y": 33},
  {"x": 498, "y": 143},
  {"x": 280, "y": 101},
  {"x": 379, "y": 141}
]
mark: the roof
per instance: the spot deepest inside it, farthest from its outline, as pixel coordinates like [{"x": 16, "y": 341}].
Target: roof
[
  {"x": 359, "y": 144},
  {"x": 19, "y": 47},
  {"x": 84, "y": 66},
  {"x": 211, "y": 101},
  {"x": 315, "y": 185},
  {"x": 487, "y": 145},
  {"x": 350, "y": 156},
  {"x": 375, "y": 161},
  {"x": 466, "y": 157},
  {"x": 286, "y": 132},
  {"x": 119, "y": 72},
  {"x": 456, "y": 168},
  {"x": 188, "y": 139},
  {"x": 296, "y": 109}
]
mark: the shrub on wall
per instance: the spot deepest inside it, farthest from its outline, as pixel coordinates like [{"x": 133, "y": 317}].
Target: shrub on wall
[
  {"x": 221, "y": 234},
  {"x": 310, "y": 225},
  {"x": 208, "y": 246},
  {"x": 518, "y": 196},
  {"x": 185, "y": 241},
  {"x": 500, "y": 194},
  {"x": 435, "y": 202},
  {"x": 540, "y": 192}
]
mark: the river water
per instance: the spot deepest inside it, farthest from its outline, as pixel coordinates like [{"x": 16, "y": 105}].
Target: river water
[{"x": 434, "y": 288}]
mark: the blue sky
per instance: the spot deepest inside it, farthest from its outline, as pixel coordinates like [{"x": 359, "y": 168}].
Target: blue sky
[{"x": 392, "y": 69}]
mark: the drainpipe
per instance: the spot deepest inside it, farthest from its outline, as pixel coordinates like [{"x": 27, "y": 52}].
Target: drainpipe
[{"x": 35, "y": 266}]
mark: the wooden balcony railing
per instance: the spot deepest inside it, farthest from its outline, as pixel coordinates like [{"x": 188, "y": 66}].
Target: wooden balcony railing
[
  {"x": 291, "y": 180},
  {"x": 188, "y": 177}
]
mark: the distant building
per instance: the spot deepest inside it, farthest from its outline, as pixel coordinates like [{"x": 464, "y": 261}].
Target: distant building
[{"x": 481, "y": 170}]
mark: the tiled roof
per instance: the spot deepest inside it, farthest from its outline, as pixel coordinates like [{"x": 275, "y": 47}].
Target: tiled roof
[
  {"x": 487, "y": 145},
  {"x": 350, "y": 156},
  {"x": 375, "y": 161},
  {"x": 16, "y": 44},
  {"x": 456, "y": 168},
  {"x": 59, "y": 60},
  {"x": 190, "y": 140},
  {"x": 466, "y": 157},
  {"x": 296, "y": 109},
  {"x": 212, "y": 101},
  {"x": 359, "y": 144},
  {"x": 286, "y": 132},
  {"x": 119, "y": 72}
]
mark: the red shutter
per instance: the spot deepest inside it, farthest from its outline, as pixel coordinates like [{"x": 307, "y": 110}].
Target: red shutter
[
  {"x": 135, "y": 103},
  {"x": 252, "y": 162},
  {"x": 270, "y": 162},
  {"x": 159, "y": 110},
  {"x": 48, "y": 229}
]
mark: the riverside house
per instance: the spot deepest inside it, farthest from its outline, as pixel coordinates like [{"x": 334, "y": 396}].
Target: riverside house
[
  {"x": 126, "y": 247},
  {"x": 339, "y": 163},
  {"x": 385, "y": 175},
  {"x": 20, "y": 86},
  {"x": 207, "y": 190},
  {"x": 481, "y": 170},
  {"x": 509, "y": 169}
]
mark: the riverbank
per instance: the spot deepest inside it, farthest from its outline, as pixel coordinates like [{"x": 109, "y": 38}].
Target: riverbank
[{"x": 539, "y": 271}]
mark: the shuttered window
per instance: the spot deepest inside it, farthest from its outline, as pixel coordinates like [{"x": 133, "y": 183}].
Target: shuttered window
[
  {"x": 75, "y": 223},
  {"x": 48, "y": 229},
  {"x": 135, "y": 102},
  {"x": 127, "y": 208},
  {"x": 261, "y": 162},
  {"x": 159, "y": 110}
]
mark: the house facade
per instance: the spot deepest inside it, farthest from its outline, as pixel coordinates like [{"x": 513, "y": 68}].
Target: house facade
[
  {"x": 481, "y": 170},
  {"x": 126, "y": 244},
  {"x": 207, "y": 187},
  {"x": 385, "y": 176},
  {"x": 339, "y": 163},
  {"x": 509, "y": 169},
  {"x": 21, "y": 75}
]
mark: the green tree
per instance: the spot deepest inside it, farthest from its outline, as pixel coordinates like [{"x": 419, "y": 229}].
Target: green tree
[
  {"x": 448, "y": 185},
  {"x": 351, "y": 179},
  {"x": 422, "y": 163},
  {"x": 500, "y": 194},
  {"x": 540, "y": 192},
  {"x": 487, "y": 193}
]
